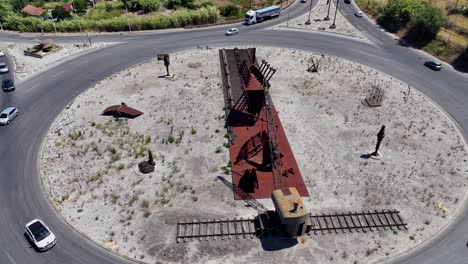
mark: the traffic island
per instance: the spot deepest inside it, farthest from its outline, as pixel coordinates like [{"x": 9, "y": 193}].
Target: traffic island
[{"x": 88, "y": 169}]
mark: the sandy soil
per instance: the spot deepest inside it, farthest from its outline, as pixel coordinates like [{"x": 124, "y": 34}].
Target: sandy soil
[
  {"x": 88, "y": 168},
  {"x": 27, "y": 65},
  {"x": 317, "y": 23}
]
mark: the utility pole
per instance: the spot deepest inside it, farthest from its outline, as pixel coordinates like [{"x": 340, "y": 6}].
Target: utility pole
[
  {"x": 128, "y": 20},
  {"x": 81, "y": 32},
  {"x": 328, "y": 12},
  {"x": 89, "y": 38},
  {"x": 1, "y": 26},
  {"x": 336, "y": 11},
  {"x": 310, "y": 11},
  {"x": 55, "y": 28}
]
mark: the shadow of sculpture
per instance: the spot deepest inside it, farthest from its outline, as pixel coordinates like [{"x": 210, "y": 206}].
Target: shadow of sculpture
[{"x": 250, "y": 201}]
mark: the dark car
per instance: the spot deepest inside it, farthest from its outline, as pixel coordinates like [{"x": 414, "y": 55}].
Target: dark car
[
  {"x": 433, "y": 65},
  {"x": 347, "y": 1},
  {"x": 8, "y": 85}
]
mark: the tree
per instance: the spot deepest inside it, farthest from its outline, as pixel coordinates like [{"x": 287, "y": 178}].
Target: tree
[
  {"x": 149, "y": 5},
  {"x": 60, "y": 13},
  {"x": 425, "y": 24},
  {"x": 397, "y": 13},
  {"x": 5, "y": 11},
  {"x": 229, "y": 10},
  {"x": 79, "y": 5},
  {"x": 18, "y": 4}
]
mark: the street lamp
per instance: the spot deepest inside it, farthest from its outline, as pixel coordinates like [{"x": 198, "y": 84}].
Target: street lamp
[
  {"x": 310, "y": 11},
  {"x": 336, "y": 11},
  {"x": 128, "y": 20},
  {"x": 328, "y": 12}
]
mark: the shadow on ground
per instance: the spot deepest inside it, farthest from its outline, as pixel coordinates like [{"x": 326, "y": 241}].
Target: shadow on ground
[{"x": 277, "y": 242}]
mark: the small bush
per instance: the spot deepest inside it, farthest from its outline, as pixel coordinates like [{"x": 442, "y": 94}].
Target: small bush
[
  {"x": 114, "y": 198},
  {"x": 229, "y": 11},
  {"x": 170, "y": 139},
  {"x": 144, "y": 204},
  {"x": 133, "y": 199}
]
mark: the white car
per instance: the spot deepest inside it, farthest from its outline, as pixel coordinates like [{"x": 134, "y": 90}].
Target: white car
[
  {"x": 2, "y": 53},
  {"x": 232, "y": 31},
  {"x": 7, "y": 115},
  {"x": 358, "y": 14},
  {"x": 40, "y": 235},
  {"x": 3, "y": 68}
]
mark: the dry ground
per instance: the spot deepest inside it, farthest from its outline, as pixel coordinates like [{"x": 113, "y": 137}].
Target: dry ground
[{"x": 88, "y": 168}]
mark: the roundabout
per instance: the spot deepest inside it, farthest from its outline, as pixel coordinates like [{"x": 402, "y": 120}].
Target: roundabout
[{"x": 23, "y": 198}]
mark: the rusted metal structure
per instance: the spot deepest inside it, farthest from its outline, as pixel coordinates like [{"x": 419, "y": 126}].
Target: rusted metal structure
[
  {"x": 121, "y": 110},
  {"x": 258, "y": 140}
]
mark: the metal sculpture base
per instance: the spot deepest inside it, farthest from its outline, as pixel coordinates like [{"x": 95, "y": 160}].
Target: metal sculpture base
[{"x": 376, "y": 155}]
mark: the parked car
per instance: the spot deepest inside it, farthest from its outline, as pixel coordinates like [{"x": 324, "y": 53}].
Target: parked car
[
  {"x": 232, "y": 31},
  {"x": 40, "y": 235},
  {"x": 8, "y": 85},
  {"x": 2, "y": 53},
  {"x": 358, "y": 14},
  {"x": 436, "y": 66},
  {"x": 7, "y": 115},
  {"x": 3, "y": 67}
]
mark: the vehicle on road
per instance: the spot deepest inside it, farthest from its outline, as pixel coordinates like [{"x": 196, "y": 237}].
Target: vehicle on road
[
  {"x": 347, "y": 1},
  {"x": 2, "y": 53},
  {"x": 232, "y": 31},
  {"x": 303, "y": 1},
  {"x": 8, "y": 85},
  {"x": 40, "y": 235},
  {"x": 436, "y": 66},
  {"x": 252, "y": 17},
  {"x": 8, "y": 114},
  {"x": 3, "y": 68},
  {"x": 358, "y": 14}
]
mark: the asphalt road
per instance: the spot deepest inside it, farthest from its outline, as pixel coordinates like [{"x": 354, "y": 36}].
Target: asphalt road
[{"x": 41, "y": 98}]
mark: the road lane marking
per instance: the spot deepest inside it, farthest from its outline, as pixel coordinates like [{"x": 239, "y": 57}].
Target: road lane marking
[{"x": 9, "y": 257}]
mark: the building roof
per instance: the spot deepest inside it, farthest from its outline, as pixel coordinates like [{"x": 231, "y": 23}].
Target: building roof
[
  {"x": 121, "y": 111},
  {"x": 68, "y": 6},
  {"x": 284, "y": 201},
  {"x": 32, "y": 10}
]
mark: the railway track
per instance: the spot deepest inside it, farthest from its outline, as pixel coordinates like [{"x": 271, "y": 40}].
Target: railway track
[
  {"x": 216, "y": 229},
  {"x": 360, "y": 222}
]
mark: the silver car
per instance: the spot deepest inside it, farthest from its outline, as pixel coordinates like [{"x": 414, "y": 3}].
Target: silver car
[
  {"x": 3, "y": 68},
  {"x": 232, "y": 31},
  {"x": 7, "y": 115}
]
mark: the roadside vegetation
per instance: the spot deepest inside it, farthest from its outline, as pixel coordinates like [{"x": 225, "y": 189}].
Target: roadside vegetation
[
  {"x": 121, "y": 15},
  {"x": 439, "y": 27}
]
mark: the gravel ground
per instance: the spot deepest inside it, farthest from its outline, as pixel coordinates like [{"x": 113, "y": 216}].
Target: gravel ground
[{"x": 88, "y": 161}]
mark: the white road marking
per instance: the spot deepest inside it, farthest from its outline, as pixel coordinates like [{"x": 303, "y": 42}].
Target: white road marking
[
  {"x": 34, "y": 86},
  {"x": 9, "y": 257}
]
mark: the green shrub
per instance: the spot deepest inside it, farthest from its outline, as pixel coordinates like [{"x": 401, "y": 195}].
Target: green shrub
[
  {"x": 60, "y": 13},
  {"x": 397, "y": 13},
  {"x": 425, "y": 24},
  {"x": 79, "y": 5},
  {"x": 179, "y": 18},
  {"x": 229, "y": 11}
]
